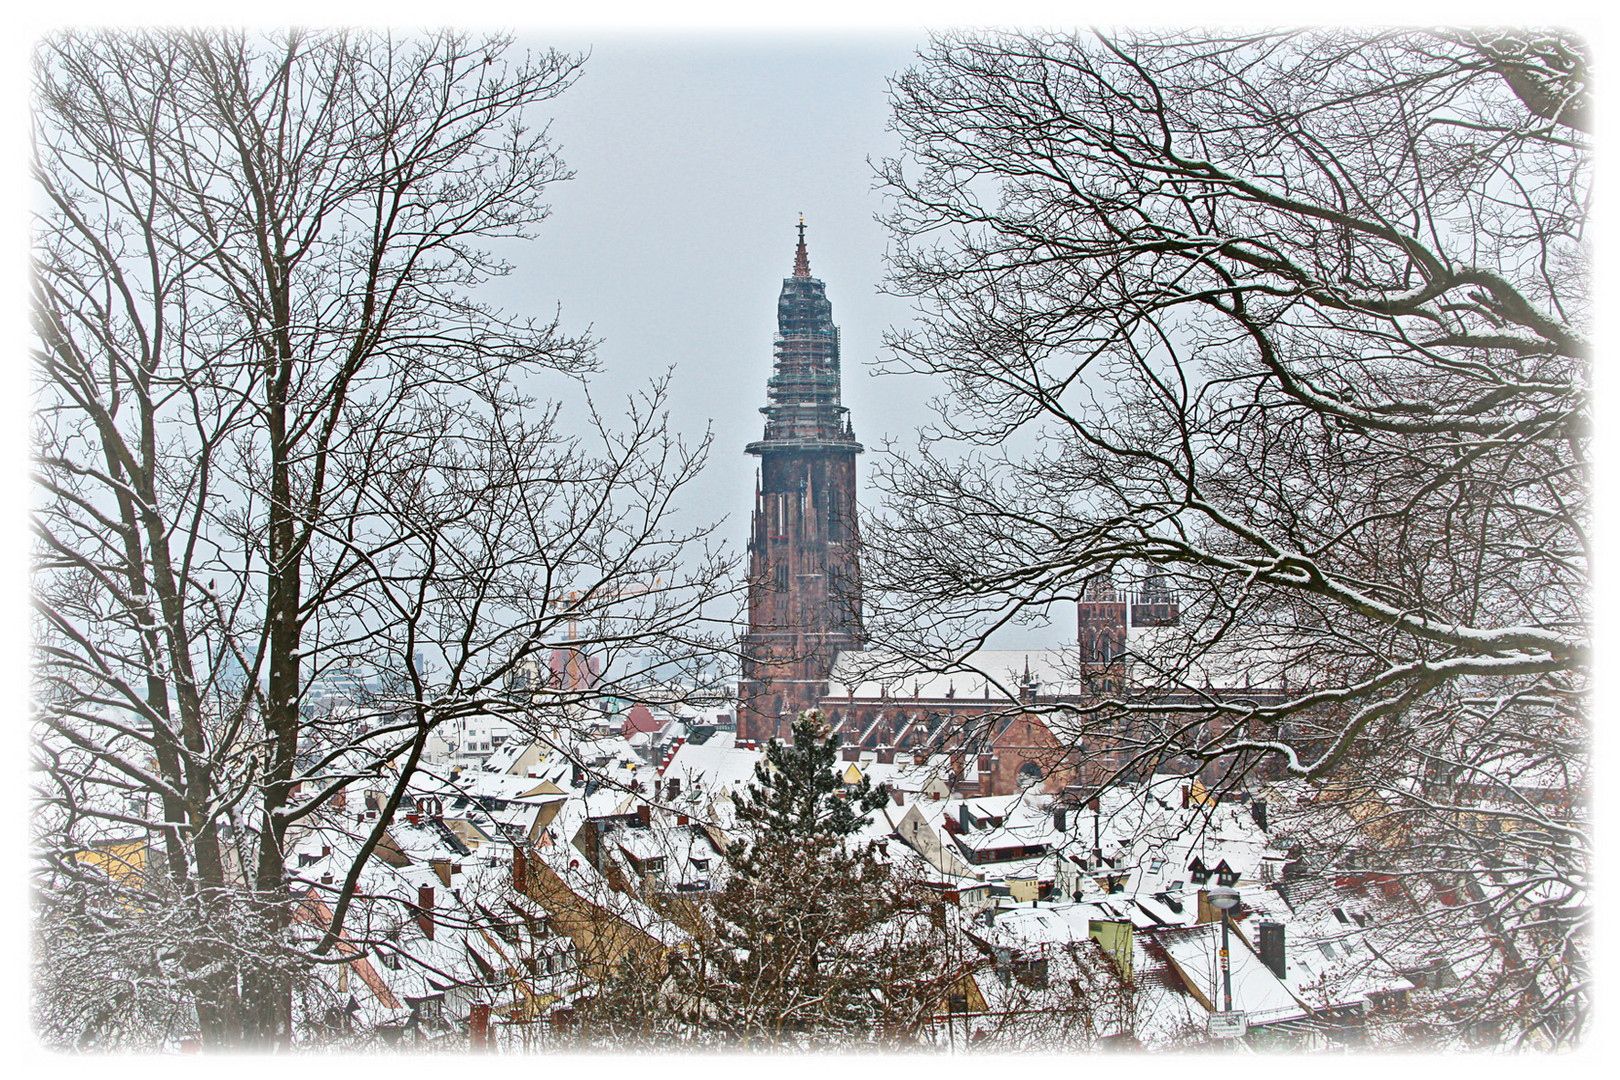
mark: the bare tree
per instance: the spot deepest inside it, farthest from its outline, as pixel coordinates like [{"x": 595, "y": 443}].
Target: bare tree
[
  {"x": 1292, "y": 325},
  {"x": 279, "y": 439}
]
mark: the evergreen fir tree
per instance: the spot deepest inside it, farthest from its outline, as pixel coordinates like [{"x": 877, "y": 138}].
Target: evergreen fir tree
[
  {"x": 786, "y": 957},
  {"x": 797, "y": 791}
]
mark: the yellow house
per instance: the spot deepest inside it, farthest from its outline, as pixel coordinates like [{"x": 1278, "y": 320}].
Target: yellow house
[
  {"x": 1117, "y": 939},
  {"x": 122, "y": 860},
  {"x": 1024, "y": 889},
  {"x": 964, "y": 995}
]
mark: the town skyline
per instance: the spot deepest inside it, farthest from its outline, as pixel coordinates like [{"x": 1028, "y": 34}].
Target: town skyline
[{"x": 387, "y": 592}]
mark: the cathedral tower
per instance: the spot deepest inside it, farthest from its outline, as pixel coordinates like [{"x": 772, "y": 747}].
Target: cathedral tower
[{"x": 804, "y": 592}]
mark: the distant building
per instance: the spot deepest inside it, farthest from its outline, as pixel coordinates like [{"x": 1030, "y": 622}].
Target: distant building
[
  {"x": 805, "y": 647},
  {"x": 804, "y": 595}
]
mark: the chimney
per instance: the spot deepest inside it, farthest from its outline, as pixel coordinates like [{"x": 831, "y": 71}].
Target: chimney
[
  {"x": 478, "y": 1027},
  {"x": 424, "y": 910},
  {"x": 1186, "y": 796},
  {"x": 964, "y": 819},
  {"x": 644, "y": 812},
  {"x": 520, "y": 870},
  {"x": 1258, "y": 809},
  {"x": 1274, "y": 948},
  {"x": 1060, "y": 819},
  {"x": 899, "y": 797}
]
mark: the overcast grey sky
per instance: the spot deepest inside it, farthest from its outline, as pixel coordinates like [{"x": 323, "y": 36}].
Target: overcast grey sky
[{"x": 694, "y": 155}]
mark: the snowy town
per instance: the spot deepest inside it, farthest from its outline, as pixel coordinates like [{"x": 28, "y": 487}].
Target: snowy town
[
  {"x": 383, "y": 704},
  {"x": 529, "y": 872}
]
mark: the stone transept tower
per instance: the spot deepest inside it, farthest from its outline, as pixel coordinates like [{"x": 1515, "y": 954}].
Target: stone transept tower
[{"x": 804, "y": 594}]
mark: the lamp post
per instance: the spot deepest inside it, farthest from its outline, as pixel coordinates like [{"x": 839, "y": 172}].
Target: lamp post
[{"x": 1225, "y": 899}]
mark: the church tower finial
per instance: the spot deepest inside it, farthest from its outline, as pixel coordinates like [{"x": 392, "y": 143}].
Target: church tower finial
[{"x": 801, "y": 257}]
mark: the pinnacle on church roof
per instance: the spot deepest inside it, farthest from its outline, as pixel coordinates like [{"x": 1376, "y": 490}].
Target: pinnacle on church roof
[{"x": 801, "y": 257}]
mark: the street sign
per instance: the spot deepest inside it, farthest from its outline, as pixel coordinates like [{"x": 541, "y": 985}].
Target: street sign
[{"x": 1228, "y": 1025}]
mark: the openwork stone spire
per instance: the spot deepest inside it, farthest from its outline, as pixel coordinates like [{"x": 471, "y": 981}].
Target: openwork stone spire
[{"x": 804, "y": 388}]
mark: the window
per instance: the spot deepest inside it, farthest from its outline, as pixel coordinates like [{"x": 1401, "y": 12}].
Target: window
[
  {"x": 387, "y": 953},
  {"x": 1032, "y": 973},
  {"x": 777, "y": 513}
]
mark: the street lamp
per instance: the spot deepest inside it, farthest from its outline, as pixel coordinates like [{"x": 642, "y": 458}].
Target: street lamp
[{"x": 1225, "y": 899}]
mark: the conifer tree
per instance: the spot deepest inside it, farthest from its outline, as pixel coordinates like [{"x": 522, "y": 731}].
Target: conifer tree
[
  {"x": 797, "y": 792},
  {"x": 800, "y": 899}
]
